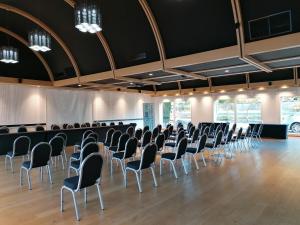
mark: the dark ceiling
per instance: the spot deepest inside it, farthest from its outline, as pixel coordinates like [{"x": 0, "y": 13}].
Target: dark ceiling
[{"x": 186, "y": 26}]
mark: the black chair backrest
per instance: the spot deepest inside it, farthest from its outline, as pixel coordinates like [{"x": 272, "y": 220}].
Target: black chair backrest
[
  {"x": 205, "y": 131},
  {"x": 39, "y": 128},
  {"x": 122, "y": 142},
  {"x": 199, "y": 126},
  {"x": 195, "y": 135},
  {"x": 70, "y": 126},
  {"x": 87, "y": 141},
  {"x": 191, "y": 131},
  {"x": 226, "y": 129},
  {"x": 239, "y": 134},
  {"x": 138, "y": 134},
  {"x": 181, "y": 148},
  {"x": 180, "y": 135},
  {"x": 218, "y": 139},
  {"x": 159, "y": 128},
  {"x": 211, "y": 128},
  {"x": 88, "y": 149},
  {"x": 90, "y": 170},
  {"x": 146, "y": 138},
  {"x": 40, "y": 155},
  {"x": 115, "y": 138},
  {"x": 248, "y": 131},
  {"x": 109, "y": 134},
  {"x": 57, "y": 144},
  {"x": 130, "y": 131},
  {"x": 76, "y": 125},
  {"x": 179, "y": 125},
  {"x": 202, "y": 142},
  {"x": 83, "y": 125},
  {"x": 155, "y": 132},
  {"x": 22, "y": 129},
  {"x": 4, "y": 130},
  {"x": 64, "y": 136},
  {"x": 86, "y": 133},
  {"x": 21, "y": 145},
  {"x": 188, "y": 127},
  {"x": 146, "y": 128},
  {"x": 218, "y": 128},
  {"x": 233, "y": 127},
  {"x": 112, "y": 124},
  {"x": 229, "y": 136},
  {"x": 166, "y": 133},
  {"x": 121, "y": 123},
  {"x": 65, "y": 126},
  {"x": 94, "y": 125},
  {"x": 130, "y": 147},
  {"x": 103, "y": 124},
  {"x": 55, "y": 127},
  {"x": 171, "y": 128},
  {"x": 148, "y": 156},
  {"x": 180, "y": 129},
  {"x": 159, "y": 141},
  {"x": 260, "y": 129},
  {"x": 94, "y": 135},
  {"x": 254, "y": 129},
  {"x": 88, "y": 124}
]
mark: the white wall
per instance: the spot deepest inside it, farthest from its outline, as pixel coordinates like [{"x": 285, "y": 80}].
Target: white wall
[
  {"x": 203, "y": 105},
  {"x": 26, "y": 104}
]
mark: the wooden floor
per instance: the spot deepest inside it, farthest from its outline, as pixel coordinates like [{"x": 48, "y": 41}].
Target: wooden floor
[{"x": 260, "y": 187}]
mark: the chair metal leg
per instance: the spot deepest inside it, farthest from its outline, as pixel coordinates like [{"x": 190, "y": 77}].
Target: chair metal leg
[
  {"x": 100, "y": 196},
  {"x": 29, "y": 179},
  {"x": 138, "y": 181},
  {"x": 203, "y": 158},
  {"x": 75, "y": 206},
  {"x": 41, "y": 173},
  {"x": 195, "y": 160},
  {"x": 62, "y": 161},
  {"x": 125, "y": 178},
  {"x": 111, "y": 166},
  {"x": 160, "y": 167},
  {"x": 62, "y": 199},
  {"x": 174, "y": 169},
  {"x": 65, "y": 155},
  {"x": 49, "y": 174},
  {"x": 184, "y": 166},
  {"x": 85, "y": 196},
  {"x": 11, "y": 165},
  {"x": 153, "y": 175},
  {"x": 21, "y": 176},
  {"x": 5, "y": 162}
]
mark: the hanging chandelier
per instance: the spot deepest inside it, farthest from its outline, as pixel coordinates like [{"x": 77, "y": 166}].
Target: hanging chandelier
[
  {"x": 9, "y": 54},
  {"x": 87, "y": 16},
  {"x": 39, "y": 40}
]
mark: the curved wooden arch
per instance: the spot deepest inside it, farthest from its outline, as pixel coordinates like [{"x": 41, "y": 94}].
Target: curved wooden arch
[
  {"x": 23, "y": 41},
  {"x": 46, "y": 28}
]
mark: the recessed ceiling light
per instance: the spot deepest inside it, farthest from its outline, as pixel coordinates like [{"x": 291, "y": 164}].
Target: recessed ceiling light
[
  {"x": 284, "y": 86},
  {"x": 191, "y": 93},
  {"x": 177, "y": 94},
  {"x": 131, "y": 83},
  {"x": 205, "y": 92},
  {"x": 222, "y": 91},
  {"x": 226, "y": 71},
  {"x": 261, "y": 88},
  {"x": 241, "y": 89},
  {"x": 79, "y": 85},
  {"x": 165, "y": 95},
  {"x": 150, "y": 74}
]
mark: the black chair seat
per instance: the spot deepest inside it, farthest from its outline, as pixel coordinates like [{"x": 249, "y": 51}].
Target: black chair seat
[
  {"x": 169, "y": 155},
  {"x": 211, "y": 136},
  {"x": 191, "y": 150},
  {"x": 170, "y": 144},
  {"x": 75, "y": 155},
  {"x": 134, "y": 164},
  {"x": 75, "y": 164},
  {"x": 118, "y": 155},
  {"x": 71, "y": 182},
  {"x": 26, "y": 164},
  {"x": 223, "y": 142},
  {"x": 172, "y": 138},
  {"x": 209, "y": 145},
  {"x": 77, "y": 144},
  {"x": 113, "y": 148},
  {"x": 11, "y": 154}
]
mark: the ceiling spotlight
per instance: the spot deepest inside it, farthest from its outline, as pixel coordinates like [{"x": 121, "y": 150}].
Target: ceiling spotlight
[
  {"x": 87, "y": 16},
  {"x": 222, "y": 91},
  {"x": 131, "y": 83},
  {"x": 261, "y": 88},
  {"x": 284, "y": 86},
  {"x": 9, "y": 54},
  {"x": 165, "y": 95},
  {"x": 177, "y": 94},
  {"x": 150, "y": 74},
  {"x": 226, "y": 71},
  {"x": 79, "y": 85},
  {"x": 205, "y": 92},
  {"x": 191, "y": 93},
  {"x": 241, "y": 89}
]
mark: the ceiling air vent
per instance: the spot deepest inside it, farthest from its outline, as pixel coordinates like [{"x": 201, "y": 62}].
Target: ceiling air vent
[{"x": 271, "y": 25}]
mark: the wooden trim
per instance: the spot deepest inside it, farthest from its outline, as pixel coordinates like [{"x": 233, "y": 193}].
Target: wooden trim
[
  {"x": 256, "y": 63},
  {"x": 46, "y": 28},
  {"x": 12, "y": 80},
  {"x": 38, "y": 55},
  {"x": 179, "y": 86},
  {"x": 295, "y": 73},
  {"x": 248, "y": 80},
  {"x": 210, "y": 84},
  {"x": 107, "y": 50},
  {"x": 188, "y": 74},
  {"x": 96, "y": 77},
  {"x": 138, "y": 80}
]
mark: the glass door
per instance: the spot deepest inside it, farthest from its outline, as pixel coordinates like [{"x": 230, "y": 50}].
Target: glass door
[{"x": 148, "y": 115}]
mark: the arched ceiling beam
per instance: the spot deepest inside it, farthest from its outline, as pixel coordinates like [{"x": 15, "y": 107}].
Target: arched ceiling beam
[
  {"x": 160, "y": 44},
  {"x": 46, "y": 28},
  {"x": 23, "y": 41},
  {"x": 237, "y": 14}
]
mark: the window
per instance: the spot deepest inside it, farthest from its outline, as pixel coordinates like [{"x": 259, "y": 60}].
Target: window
[
  {"x": 290, "y": 113},
  {"x": 224, "y": 111},
  {"x": 177, "y": 111},
  {"x": 248, "y": 111}
]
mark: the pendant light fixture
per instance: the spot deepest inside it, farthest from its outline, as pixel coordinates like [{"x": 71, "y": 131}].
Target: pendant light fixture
[
  {"x": 9, "y": 54},
  {"x": 39, "y": 40},
  {"x": 87, "y": 16}
]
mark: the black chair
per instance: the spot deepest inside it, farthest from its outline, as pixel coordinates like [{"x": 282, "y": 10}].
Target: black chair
[
  {"x": 138, "y": 134},
  {"x": 146, "y": 128},
  {"x": 76, "y": 125},
  {"x": 160, "y": 142},
  {"x": 129, "y": 152},
  {"x": 194, "y": 137},
  {"x": 180, "y": 135},
  {"x": 58, "y": 148},
  {"x": 191, "y": 131},
  {"x": 70, "y": 126},
  {"x": 155, "y": 133},
  {"x": 199, "y": 149},
  {"x": 55, "y": 127},
  {"x": 236, "y": 140},
  {"x": 130, "y": 131},
  {"x": 121, "y": 123},
  {"x": 22, "y": 129},
  {"x": 76, "y": 155},
  {"x": 172, "y": 157},
  {"x": 84, "y": 136},
  {"x": 65, "y": 137},
  {"x": 108, "y": 136},
  {"x": 65, "y": 126},
  {"x": 205, "y": 130},
  {"x": 94, "y": 125},
  {"x": 166, "y": 134},
  {"x": 39, "y": 128},
  {"x": 215, "y": 145},
  {"x": 121, "y": 144},
  {"x": 215, "y": 132},
  {"x": 21, "y": 147},
  {"x": 227, "y": 143},
  {"x": 88, "y": 124},
  {"x": 112, "y": 124},
  {"x": 211, "y": 129},
  {"x": 245, "y": 138},
  {"x": 257, "y": 134},
  {"x": 83, "y": 125},
  {"x": 40, "y": 157},
  {"x": 88, "y": 149},
  {"x": 114, "y": 141},
  {"x": 234, "y": 127},
  {"x": 103, "y": 125},
  {"x": 4, "y": 130},
  {"x": 199, "y": 126},
  {"x": 226, "y": 129},
  {"x": 146, "y": 139},
  {"x": 89, "y": 175},
  {"x": 159, "y": 128},
  {"x": 146, "y": 162},
  {"x": 171, "y": 129},
  {"x": 94, "y": 135}
]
